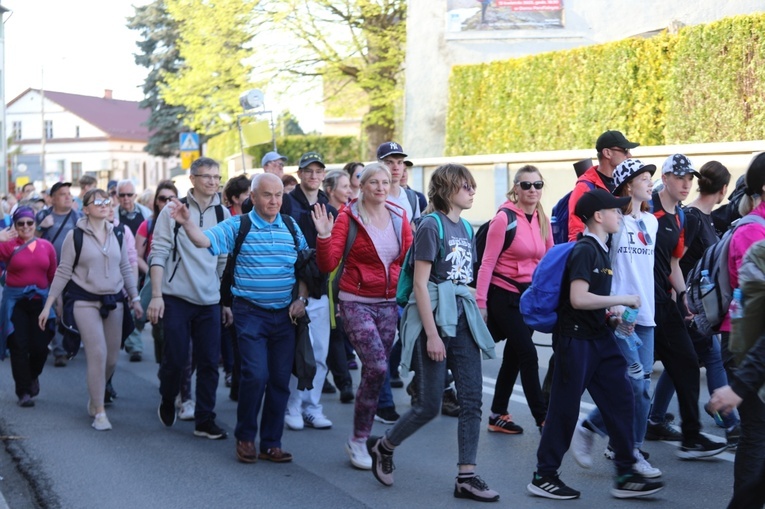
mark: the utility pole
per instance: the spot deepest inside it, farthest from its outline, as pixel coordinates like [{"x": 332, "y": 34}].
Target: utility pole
[
  {"x": 42, "y": 116},
  {"x": 3, "y": 120}
]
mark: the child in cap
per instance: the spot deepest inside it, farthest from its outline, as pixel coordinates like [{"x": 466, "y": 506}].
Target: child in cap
[{"x": 587, "y": 357}]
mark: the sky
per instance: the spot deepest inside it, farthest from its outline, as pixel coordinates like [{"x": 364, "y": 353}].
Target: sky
[{"x": 84, "y": 47}]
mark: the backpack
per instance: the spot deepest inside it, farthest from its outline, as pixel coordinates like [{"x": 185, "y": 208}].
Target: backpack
[
  {"x": 746, "y": 331},
  {"x": 118, "y": 230},
  {"x": 218, "y": 216},
  {"x": 406, "y": 278},
  {"x": 710, "y": 309},
  {"x": 559, "y": 218},
  {"x": 480, "y": 242},
  {"x": 227, "y": 279},
  {"x": 413, "y": 202},
  {"x": 539, "y": 304}
]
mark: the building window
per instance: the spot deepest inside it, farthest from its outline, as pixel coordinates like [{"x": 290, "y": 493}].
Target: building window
[
  {"x": 48, "y": 129},
  {"x": 17, "y": 130},
  {"x": 76, "y": 171},
  {"x": 77, "y": 132}
]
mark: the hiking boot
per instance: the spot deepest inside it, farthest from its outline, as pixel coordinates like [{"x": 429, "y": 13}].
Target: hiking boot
[
  {"x": 635, "y": 485},
  {"x": 474, "y": 488},
  {"x": 663, "y": 431},
  {"x": 504, "y": 424},
  {"x": 382, "y": 463},
  {"x": 166, "y": 412},
  {"x": 581, "y": 445},
  {"x": 387, "y": 415},
  {"x": 210, "y": 430},
  {"x": 551, "y": 487},
  {"x": 699, "y": 447},
  {"x": 449, "y": 404}
]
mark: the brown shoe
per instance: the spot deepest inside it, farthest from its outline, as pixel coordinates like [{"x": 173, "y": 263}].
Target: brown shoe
[
  {"x": 246, "y": 452},
  {"x": 276, "y": 455}
]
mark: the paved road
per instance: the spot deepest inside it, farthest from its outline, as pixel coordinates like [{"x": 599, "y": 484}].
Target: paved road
[{"x": 142, "y": 464}]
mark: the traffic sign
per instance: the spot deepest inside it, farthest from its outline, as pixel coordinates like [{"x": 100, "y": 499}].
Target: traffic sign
[
  {"x": 188, "y": 157},
  {"x": 189, "y": 142}
]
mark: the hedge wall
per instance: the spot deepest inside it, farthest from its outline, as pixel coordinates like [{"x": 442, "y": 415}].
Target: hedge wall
[
  {"x": 704, "y": 84},
  {"x": 334, "y": 149}
]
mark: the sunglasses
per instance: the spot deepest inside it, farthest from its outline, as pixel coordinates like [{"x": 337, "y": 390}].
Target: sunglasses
[
  {"x": 624, "y": 151},
  {"x": 25, "y": 223},
  {"x": 467, "y": 187},
  {"x": 644, "y": 230},
  {"x": 126, "y": 195},
  {"x": 527, "y": 185},
  {"x": 103, "y": 202},
  {"x": 165, "y": 199}
]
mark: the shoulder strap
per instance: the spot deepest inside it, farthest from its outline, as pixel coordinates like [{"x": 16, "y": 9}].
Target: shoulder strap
[
  {"x": 119, "y": 232},
  {"x": 350, "y": 238},
  {"x": 512, "y": 226},
  {"x": 63, "y": 223},
  {"x": 219, "y": 213},
  {"x": 245, "y": 224},
  {"x": 19, "y": 248},
  {"x": 412, "y": 197},
  {"x": 176, "y": 228},
  {"x": 289, "y": 223},
  {"x": 77, "y": 237}
]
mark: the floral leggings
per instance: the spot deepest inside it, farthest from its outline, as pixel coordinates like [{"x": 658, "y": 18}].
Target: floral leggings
[{"x": 371, "y": 329}]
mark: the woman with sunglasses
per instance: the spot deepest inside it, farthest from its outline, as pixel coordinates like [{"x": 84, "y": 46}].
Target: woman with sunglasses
[
  {"x": 503, "y": 276},
  {"x": 632, "y": 260},
  {"x": 30, "y": 267},
  {"x": 97, "y": 282},
  {"x": 353, "y": 169}
]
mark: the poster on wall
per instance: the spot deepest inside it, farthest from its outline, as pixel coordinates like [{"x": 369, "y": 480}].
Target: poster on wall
[{"x": 495, "y": 15}]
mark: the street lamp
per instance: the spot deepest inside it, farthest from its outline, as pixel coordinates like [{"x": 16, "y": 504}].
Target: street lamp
[{"x": 253, "y": 105}]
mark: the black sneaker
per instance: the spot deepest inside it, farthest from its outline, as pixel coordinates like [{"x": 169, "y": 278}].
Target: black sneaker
[
  {"x": 328, "y": 387},
  {"x": 387, "y": 415},
  {"x": 396, "y": 382},
  {"x": 504, "y": 424},
  {"x": 346, "y": 394},
  {"x": 732, "y": 435},
  {"x": 382, "y": 464},
  {"x": 700, "y": 447},
  {"x": 474, "y": 488},
  {"x": 663, "y": 431},
  {"x": 449, "y": 404},
  {"x": 635, "y": 485},
  {"x": 166, "y": 412},
  {"x": 551, "y": 487},
  {"x": 210, "y": 430}
]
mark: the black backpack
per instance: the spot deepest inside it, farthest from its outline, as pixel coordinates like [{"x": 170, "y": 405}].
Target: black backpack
[
  {"x": 480, "y": 243},
  {"x": 119, "y": 232},
  {"x": 218, "y": 216}
]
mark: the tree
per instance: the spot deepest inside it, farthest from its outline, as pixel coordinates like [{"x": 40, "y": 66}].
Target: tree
[
  {"x": 212, "y": 44},
  {"x": 362, "y": 41},
  {"x": 287, "y": 124}
]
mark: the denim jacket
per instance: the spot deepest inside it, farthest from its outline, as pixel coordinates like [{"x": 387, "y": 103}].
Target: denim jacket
[{"x": 11, "y": 296}]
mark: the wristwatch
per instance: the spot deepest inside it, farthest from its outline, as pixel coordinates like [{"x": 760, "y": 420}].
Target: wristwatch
[{"x": 303, "y": 300}]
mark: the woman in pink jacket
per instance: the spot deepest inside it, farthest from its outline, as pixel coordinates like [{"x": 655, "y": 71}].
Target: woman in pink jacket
[{"x": 503, "y": 276}]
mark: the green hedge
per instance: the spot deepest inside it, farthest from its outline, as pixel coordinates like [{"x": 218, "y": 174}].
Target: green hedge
[
  {"x": 704, "y": 84},
  {"x": 334, "y": 149}
]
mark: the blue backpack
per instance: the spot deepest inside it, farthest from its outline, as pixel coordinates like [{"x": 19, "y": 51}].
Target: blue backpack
[
  {"x": 539, "y": 304},
  {"x": 559, "y": 218}
]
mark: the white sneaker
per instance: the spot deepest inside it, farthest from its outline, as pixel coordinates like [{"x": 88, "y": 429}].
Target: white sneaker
[
  {"x": 186, "y": 412},
  {"x": 293, "y": 422},
  {"x": 101, "y": 423},
  {"x": 581, "y": 445},
  {"x": 644, "y": 468},
  {"x": 317, "y": 421},
  {"x": 359, "y": 455}
]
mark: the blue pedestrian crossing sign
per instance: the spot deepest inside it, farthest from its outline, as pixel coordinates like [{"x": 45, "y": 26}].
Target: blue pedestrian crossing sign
[{"x": 189, "y": 142}]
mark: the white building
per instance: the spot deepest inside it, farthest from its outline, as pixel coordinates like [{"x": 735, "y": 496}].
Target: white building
[{"x": 100, "y": 136}]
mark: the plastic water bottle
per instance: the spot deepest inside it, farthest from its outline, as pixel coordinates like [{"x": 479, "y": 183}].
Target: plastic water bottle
[
  {"x": 736, "y": 309},
  {"x": 705, "y": 284},
  {"x": 623, "y": 329}
]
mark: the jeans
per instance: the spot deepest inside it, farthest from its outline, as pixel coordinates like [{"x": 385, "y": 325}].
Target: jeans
[
  {"x": 266, "y": 340},
  {"x": 184, "y": 320},
  {"x": 371, "y": 329},
  {"x": 639, "y": 367},
  {"x": 309, "y": 401},
  {"x": 716, "y": 378},
  {"x": 463, "y": 357}
]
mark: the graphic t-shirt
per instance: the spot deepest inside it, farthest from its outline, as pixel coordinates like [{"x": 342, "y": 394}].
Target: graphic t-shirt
[
  {"x": 670, "y": 243},
  {"x": 457, "y": 249},
  {"x": 632, "y": 258}
]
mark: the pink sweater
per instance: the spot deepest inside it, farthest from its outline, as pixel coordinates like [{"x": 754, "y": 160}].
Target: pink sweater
[
  {"x": 520, "y": 259},
  {"x": 33, "y": 265}
]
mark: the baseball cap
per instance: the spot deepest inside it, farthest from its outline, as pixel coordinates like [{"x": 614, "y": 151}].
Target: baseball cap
[
  {"x": 59, "y": 185},
  {"x": 310, "y": 157},
  {"x": 679, "y": 165},
  {"x": 614, "y": 139},
  {"x": 271, "y": 156},
  {"x": 628, "y": 170},
  {"x": 595, "y": 200},
  {"x": 389, "y": 148}
]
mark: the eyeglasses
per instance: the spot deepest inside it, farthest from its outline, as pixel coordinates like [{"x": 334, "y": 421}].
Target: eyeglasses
[
  {"x": 624, "y": 151},
  {"x": 126, "y": 195},
  {"x": 527, "y": 185},
  {"x": 644, "y": 231},
  {"x": 25, "y": 223},
  {"x": 165, "y": 199},
  {"x": 207, "y": 178},
  {"x": 467, "y": 187},
  {"x": 103, "y": 202}
]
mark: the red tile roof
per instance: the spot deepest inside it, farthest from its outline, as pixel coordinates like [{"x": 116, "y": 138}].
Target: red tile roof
[{"x": 119, "y": 119}]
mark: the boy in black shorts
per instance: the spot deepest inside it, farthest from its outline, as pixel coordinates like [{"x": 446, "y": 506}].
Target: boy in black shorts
[{"x": 587, "y": 357}]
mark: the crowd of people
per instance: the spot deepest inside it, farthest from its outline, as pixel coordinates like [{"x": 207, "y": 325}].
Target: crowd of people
[{"x": 363, "y": 266}]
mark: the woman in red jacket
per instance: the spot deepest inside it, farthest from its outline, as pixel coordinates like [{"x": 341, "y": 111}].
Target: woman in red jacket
[
  {"x": 367, "y": 288},
  {"x": 502, "y": 278}
]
